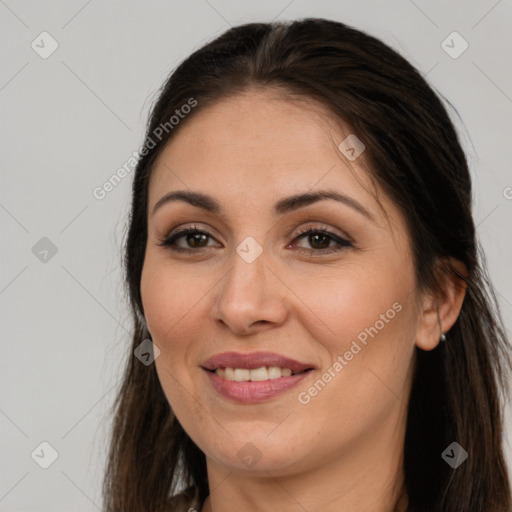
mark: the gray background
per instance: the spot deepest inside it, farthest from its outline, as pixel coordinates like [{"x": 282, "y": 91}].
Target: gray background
[{"x": 69, "y": 121}]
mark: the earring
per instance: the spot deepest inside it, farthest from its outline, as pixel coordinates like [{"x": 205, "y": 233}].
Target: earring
[{"x": 443, "y": 337}]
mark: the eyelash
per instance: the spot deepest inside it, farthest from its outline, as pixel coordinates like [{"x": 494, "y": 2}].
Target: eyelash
[{"x": 343, "y": 243}]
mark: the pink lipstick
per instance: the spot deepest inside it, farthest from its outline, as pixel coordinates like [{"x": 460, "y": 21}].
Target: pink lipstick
[{"x": 254, "y": 377}]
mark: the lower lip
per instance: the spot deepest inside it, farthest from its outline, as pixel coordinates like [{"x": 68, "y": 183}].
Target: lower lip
[{"x": 257, "y": 391}]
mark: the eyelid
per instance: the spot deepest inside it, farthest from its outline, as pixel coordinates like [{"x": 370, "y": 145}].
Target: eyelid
[
  {"x": 342, "y": 241},
  {"x": 311, "y": 225},
  {"x": 184, "y": 229},
  {"x": 321, "y": 226},
  {"x": 189, "y": 227}
]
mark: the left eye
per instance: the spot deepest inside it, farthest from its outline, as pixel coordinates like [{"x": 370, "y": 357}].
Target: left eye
[
  {"x": 319, "y": 239},
  {"x": 323, "y": 238}
]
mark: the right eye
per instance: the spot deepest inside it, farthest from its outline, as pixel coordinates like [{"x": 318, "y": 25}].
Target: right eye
[{"x": 196, "y": 237}]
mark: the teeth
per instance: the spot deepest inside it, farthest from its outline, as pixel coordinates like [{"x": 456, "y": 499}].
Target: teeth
[
  {"x": 256, "y": 374},
  {"x": 242, "y": 374},
  {"x": 259, "y": 374},
  {"x": 274, "y": 372}
]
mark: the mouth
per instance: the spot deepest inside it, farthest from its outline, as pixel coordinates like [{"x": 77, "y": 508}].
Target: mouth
[
  {"x": 254, "y": 366},
  {"x": 254, "y": 377},
  {"x": 260, "y": 374}
]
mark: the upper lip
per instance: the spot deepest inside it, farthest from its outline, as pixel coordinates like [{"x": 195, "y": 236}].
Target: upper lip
[{"x": 254, "y": 360}]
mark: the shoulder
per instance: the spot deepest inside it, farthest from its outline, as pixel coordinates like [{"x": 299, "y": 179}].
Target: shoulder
[{"x": 187, "y": 500}]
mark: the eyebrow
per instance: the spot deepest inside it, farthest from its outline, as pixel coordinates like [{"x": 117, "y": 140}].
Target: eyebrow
[{"x": 288, "y": 204}]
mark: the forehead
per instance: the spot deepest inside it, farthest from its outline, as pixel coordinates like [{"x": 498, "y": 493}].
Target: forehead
[
  {"x": 259, "y": 140},
  {"x": 253, "y": 149}
]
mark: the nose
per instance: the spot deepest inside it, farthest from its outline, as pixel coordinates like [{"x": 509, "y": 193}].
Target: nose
[{"x": 251, "y": 297}]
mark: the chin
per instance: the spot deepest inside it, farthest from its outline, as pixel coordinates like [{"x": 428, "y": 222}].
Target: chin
[{"x": 255, "y": 456}]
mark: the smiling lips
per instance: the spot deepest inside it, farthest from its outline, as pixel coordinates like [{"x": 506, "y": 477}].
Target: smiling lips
[{"x": 254, "y": 377}]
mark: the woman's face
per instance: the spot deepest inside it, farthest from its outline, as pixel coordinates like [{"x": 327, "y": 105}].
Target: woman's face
[{"x": 342, "y": 299}]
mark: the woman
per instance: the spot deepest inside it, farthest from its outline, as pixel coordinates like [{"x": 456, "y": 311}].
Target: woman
[{"x": 301, "y": 255}]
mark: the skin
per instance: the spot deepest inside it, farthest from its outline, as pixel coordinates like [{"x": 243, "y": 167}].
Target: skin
[{"x": 343, "y": 450}]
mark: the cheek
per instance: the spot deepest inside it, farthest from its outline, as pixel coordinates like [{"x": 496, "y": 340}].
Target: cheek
[
  {"x": 168, "y": 297},
  {"x": 357, "y": 302},
  {"x": 170, "y": 303},
  {"x": 365, "y": 323}
]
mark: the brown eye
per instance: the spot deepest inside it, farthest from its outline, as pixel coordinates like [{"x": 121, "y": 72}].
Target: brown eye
[
  {"x": 320, "y": 240},
  {"x": 194, "y": 239}
]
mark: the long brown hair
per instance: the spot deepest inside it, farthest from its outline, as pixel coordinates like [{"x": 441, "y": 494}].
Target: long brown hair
[{"x": 413, "y": 152}]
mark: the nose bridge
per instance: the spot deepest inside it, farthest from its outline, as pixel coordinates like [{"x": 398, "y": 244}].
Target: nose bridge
[
  {"x": 247, "y": 279},
  {"x": 249, "y": 292}
]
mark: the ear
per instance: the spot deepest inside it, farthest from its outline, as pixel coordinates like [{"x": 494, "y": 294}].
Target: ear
[{"x": 439, "y": 311}]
